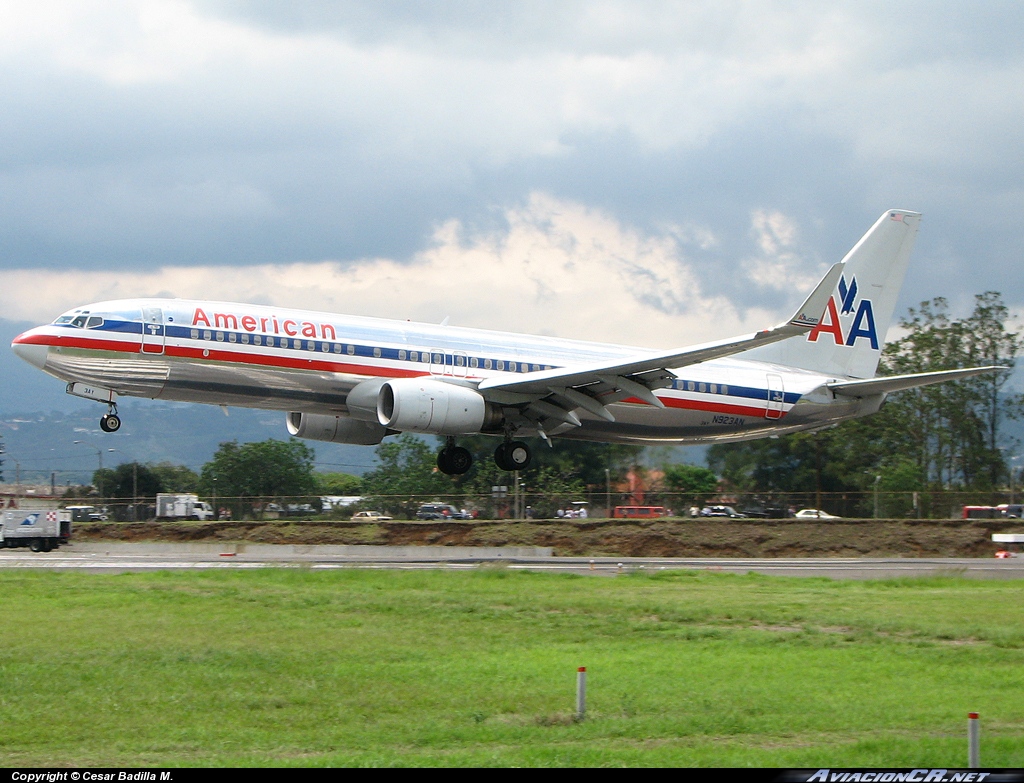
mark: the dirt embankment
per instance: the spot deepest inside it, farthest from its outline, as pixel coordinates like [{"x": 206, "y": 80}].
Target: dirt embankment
[{"x": 611, "y": 537}]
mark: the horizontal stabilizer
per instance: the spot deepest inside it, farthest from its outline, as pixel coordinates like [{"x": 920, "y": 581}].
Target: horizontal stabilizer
[{"x": 895, "y": 383}]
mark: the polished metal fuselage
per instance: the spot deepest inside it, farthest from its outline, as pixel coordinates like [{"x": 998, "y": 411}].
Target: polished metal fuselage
[{"x": 262, "y": 357}]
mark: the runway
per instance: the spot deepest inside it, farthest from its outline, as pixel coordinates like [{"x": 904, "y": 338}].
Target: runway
[{"x": 117, "y": 558}]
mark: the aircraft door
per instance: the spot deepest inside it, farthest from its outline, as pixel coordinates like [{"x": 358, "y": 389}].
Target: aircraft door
[
  {"x": 152, "y": 330},
  {"x": 776, "y": 396},
  {"x": 436, "y": 361}
]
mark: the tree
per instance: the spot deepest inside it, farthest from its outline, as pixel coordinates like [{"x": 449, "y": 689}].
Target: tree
[
  {"x": 339, "y": 484},
  {"x": 128, "y": 480},
  {"x": 253, "y": 472},
  {"x": 176, "y": 478},
  {"x": 691, "y": 483},
  {"x": 940, "y": 436},
  {"x": 406, "y": 476}
]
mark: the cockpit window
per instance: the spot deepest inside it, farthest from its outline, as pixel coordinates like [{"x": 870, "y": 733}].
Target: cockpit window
[
  {"x": 80, "y": 320},
  {"x": 94, "y": 322}
]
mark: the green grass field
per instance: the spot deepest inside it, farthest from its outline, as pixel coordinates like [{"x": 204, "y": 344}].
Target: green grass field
[{"x": 360, "y": 667}]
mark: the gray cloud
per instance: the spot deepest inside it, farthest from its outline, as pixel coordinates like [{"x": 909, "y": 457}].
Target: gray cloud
[{"x": 235, "y": 133}]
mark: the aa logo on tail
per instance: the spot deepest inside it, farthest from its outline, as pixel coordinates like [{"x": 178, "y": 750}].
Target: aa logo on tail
[{"x": 862, "y": 324}]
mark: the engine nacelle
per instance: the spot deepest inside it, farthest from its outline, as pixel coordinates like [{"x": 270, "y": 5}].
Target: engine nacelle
[
  {"x": 336, "y": 429},
  {"x": 435, "y": 407}
]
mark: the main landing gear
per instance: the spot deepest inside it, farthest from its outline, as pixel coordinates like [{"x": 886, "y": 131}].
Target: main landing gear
[
  {"x": 110, "y": 422},
  {"x": 511, "y": 455},
  {"x": 454, "y": 460}
]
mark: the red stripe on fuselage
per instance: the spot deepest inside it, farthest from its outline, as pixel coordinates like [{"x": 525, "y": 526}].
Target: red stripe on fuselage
[
  {"x": 288, "y": 362},
  {"x": 714, "y": 407}
]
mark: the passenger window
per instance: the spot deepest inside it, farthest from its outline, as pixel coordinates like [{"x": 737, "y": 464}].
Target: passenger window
[
  {"x": 474, "y": 362},
  {"x": 310, "y": 346},
  {"x": 725, "y": 389},
  {"x": 690, "y": 386},
  {"x": 703, "y": 388},
  {"x": 194, "y": 334},
  {"x": 231, "y": 337},
  {"x": 487, "y": 364},
  {"x": 337, "y": 347},
  {"x": 351, "y": 350},
  {"x": 207, "y": 334},
  {"x": 245, "y": 338},
  {"x": 414, "y": 356},
  {"x": 401, "y": 355},
  {"x": 714, "y": 388},
  {"x": 325, "y": 347},
  {"x": 438, "y": 359},
  {"x": 376, "y": 353},
  {"x": 459, "y": 361},
  {"x": 257, "y": 340},
  {"x": 501, "y": 364},
  {"x": 220, "y": 337}
]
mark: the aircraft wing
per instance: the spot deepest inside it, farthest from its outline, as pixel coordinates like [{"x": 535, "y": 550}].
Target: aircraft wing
[
  {"x": 894, "y": 383},
  {"x": 594, "y": 386}
]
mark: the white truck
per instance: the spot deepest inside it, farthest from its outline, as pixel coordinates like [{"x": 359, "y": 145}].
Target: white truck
[
  {"x": 182, "y": 506},
  {"x": 40, "y": 529}
]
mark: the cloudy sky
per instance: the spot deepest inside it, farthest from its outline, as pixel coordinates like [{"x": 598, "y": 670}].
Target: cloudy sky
[{"x": 639, "y": 172}]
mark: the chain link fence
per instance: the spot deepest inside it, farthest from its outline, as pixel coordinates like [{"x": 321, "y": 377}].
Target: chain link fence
[{"x": 522, "y": 503}]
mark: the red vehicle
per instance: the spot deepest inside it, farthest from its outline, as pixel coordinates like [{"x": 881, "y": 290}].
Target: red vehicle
[
  {"x": 640, "y": 512},
  {"x": 982, "y": 512}
]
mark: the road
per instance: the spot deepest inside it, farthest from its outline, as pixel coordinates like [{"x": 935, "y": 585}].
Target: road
[{"x": 116, "y": 558}]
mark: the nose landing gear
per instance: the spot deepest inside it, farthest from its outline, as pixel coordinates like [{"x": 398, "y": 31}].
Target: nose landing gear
[{"x": 110, "y": 422}]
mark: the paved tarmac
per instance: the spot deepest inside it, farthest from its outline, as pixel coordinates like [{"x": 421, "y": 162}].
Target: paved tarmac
[{"x": 103, "y": 557}]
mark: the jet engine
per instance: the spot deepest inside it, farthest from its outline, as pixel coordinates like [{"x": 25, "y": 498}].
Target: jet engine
[
  {"x": 426, "y": 405},
  {"x": 336, "y": 429}
]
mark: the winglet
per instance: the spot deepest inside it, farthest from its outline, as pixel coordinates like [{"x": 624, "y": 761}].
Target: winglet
[{"x": 810, "y": 313}]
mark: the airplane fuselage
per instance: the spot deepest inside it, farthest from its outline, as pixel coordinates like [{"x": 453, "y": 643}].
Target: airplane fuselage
[{"x": 290, "y": 360}]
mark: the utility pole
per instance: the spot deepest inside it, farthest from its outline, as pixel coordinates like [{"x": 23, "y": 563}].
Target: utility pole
[{"x": 877, "y": 480}]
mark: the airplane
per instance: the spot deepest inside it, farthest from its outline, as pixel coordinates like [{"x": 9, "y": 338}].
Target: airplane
[{"x": 348, "y": 379}]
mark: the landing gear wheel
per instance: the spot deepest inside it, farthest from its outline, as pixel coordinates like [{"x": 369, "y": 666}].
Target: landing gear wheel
[
  {"x": 454, "y": 460},
  {"x": 514, "y": 455},
  {"x": 110, "y": 422}
]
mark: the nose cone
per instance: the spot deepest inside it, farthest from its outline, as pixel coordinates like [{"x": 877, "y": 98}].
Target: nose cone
[{"x": 30, "y": 352}]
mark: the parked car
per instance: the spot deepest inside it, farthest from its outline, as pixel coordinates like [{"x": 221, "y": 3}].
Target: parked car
[
  {"x": 370, "y": 516},
  {"x": 440, "y": 511},
  {"x": 814, "y": 513},
  {"x": 720, "y": 511}
]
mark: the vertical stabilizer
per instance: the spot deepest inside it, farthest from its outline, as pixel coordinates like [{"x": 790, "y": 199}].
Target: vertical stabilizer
[{"x": 849, "y": 339}]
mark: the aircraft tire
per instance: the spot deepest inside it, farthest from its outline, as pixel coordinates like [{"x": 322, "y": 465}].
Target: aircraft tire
[
  {"x": 518, "y": 455},
  {"x": 454, "y": 461},
  {"x": 110, "y": 422},
  {"x": 500, "y": 459},
  {"x": 514, "y": 455}
]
